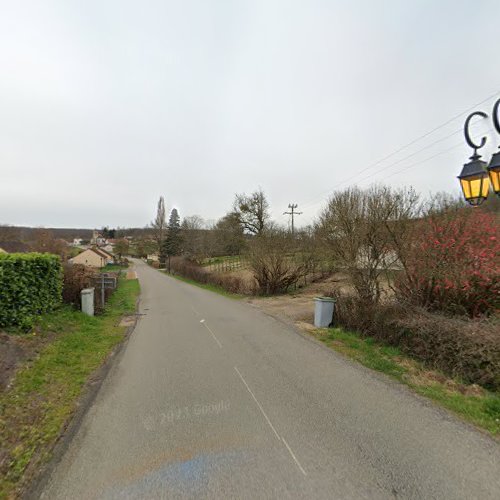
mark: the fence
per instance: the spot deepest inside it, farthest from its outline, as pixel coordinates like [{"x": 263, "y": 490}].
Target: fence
[{"x": 225, "y": 264}]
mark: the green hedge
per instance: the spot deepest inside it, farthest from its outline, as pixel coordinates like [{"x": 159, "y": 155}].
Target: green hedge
[{"x": 30, "y": 284}]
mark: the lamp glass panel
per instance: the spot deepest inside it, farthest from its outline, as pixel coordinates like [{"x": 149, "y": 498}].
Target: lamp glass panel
[
  {"x": 475, "y": 188},
  {"x": 495, "y": 179},
  {"x": 466, "y": 188},
  {"x": 485, "y": 186}
]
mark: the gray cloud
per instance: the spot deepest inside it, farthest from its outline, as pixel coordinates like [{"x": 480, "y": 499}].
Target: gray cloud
[{"x": 105, "y": 105}]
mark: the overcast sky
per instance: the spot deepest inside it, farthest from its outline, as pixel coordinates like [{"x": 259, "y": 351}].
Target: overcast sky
[{"x": 105, "y": 105}]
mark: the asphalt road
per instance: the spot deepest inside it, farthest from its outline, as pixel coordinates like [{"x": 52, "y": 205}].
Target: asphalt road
[{"x": 214, "y": 399}]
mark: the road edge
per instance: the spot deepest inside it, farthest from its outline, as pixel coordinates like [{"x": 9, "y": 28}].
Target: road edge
[
  {"x": 425, "y": 401},
  {"x": 89, "y": 394}
]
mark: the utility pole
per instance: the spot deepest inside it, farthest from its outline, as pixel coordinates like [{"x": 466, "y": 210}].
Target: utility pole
[{"x": 293, "y": 213}]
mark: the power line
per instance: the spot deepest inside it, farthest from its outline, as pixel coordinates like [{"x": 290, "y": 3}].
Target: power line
[
  {"x": 414, "y": 141},
  {"x": 292, "y": 207},
  {"x": 430, "y": 158}
]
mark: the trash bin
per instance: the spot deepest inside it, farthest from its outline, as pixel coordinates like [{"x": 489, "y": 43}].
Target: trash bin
[
  {"x": 323, "y": 311},
  {"x": 87, "y": 296}
]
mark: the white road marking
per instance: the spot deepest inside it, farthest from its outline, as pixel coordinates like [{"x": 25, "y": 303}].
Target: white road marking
[
  {"x": 213, "y": 334},
  {"x": 271, "y": 425},
  {"x": 294, "y": 457},
  {"x": 258, "y": 404}
]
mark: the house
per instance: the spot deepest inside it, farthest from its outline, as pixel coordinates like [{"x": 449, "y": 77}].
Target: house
[
  {"x": 97, "y": 238},
  {"x": 14, "y": 247},
  {"x": 108, "y": 248},
  {"x": 110, "y": 256},
  {"x": 153, "y": 257},
  {"x": 93, "y": 257},
  {"x": 77, "y": 242}
]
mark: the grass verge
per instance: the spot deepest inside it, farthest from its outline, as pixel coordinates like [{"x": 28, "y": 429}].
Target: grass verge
[
  {"x": 109, "y": 268},
  {"x": 470, "y": 402},
  {"x": 43, "y": 395},
  {"x": 207, "y": 286}
]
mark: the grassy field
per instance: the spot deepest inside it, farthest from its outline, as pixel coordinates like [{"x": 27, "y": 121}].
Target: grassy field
[
  {"x": 113, "y": 268},
  {"x": 44, "y": 393},
  {"x": 470, "y": 402}
]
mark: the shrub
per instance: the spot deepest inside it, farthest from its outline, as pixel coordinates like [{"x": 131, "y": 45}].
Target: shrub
[
  {"x": 452, "y": 263},
  {"x": 469, "y": 349},
  {"x": 274, "y": 268},
  {"x": 76, "y": 278},
  {"x": 30, "y": 284},
  {"x": 363, "y": 230},
  {"x": 191, "y": 270}
]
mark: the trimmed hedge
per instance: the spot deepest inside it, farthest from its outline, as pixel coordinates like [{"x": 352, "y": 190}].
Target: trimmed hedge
[
  {"x": 460, "y": 347},
  {"x": 30, "y": 284}
]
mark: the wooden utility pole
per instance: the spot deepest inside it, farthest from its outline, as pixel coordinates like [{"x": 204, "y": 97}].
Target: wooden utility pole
[{"x": 293, "y": 213}]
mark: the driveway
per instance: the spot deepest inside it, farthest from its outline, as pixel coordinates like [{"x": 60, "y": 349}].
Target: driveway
[{"x": 211, "y": 398}]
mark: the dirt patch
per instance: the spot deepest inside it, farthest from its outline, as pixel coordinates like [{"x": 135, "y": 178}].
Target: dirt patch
[
  {"x": 131, "y": 275},
  {"x": 15, "y": 350},
  {"x": 308, "y": 327},
  {"x": 299, "y": 306},
  {"x": 127, "y": 321},
  {"x": 419, "y": 376}
]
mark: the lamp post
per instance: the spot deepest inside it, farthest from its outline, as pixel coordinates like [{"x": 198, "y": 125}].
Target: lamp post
[
  {"x": 494, "y": 166},
  {"x": 476, "y": 174}
]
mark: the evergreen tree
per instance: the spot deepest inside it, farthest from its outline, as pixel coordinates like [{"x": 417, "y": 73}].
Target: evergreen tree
[{"x": 173, "y": 241}]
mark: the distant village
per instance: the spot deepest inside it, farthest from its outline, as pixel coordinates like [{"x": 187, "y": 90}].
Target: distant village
[{"x": 98, "y": 251}]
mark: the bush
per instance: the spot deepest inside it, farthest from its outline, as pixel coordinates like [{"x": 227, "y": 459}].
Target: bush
[
  {"x": 469, "y": 349},
  {"x": 76, "y": 278},
  {"x": 30, "y": 284},
  {"x": 191, "y": 270},
  {"x": 452, "y": 263},
  {"x": 274, "y": 266},
  {"x": 364, "y": 230}
]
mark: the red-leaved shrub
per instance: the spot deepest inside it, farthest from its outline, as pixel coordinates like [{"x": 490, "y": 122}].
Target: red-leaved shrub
[{"x": 452, "y": 263}]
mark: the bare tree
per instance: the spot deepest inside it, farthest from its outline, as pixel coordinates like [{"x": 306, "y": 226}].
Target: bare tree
[
  {"x": 228, "y": 235},
  {"x": 159, "y": 225},
  {"x": 45, "y": 242},
  {"x": 366, "y": 232},
  {"x": 193, "y": 222},
  {"x": 121, "y": 248},
  {"x": 274, "y": 267},
  {"x": 144, "y": 247},
  {"x": 10, "y": 233},
  {"x": 252, "y": 211}
]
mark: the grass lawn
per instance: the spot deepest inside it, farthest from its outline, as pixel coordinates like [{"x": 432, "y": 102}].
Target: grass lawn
[
  {"x": 470, "y": 402},
  {"x": 207, "y": 286},
  {"x": 111, "y": 268},
  {"x": 44, "y": 393}
]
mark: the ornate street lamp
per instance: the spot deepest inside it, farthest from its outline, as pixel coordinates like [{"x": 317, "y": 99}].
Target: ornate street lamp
[
  {"x": 474, "y": 177},
  {"x": 494, "y": 166}
]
